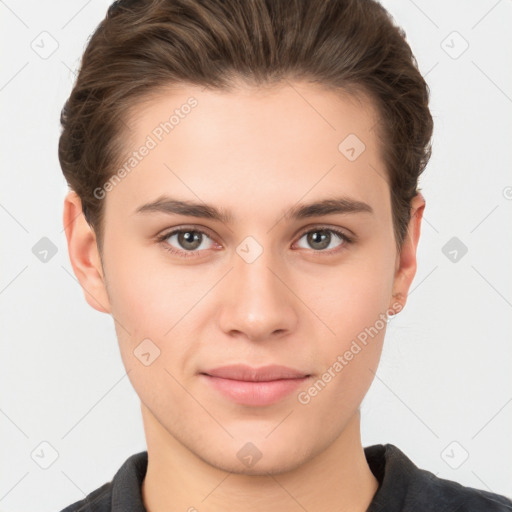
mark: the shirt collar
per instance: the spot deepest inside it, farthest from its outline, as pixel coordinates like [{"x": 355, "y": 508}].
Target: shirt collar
[{"x": 127, "y": 484}]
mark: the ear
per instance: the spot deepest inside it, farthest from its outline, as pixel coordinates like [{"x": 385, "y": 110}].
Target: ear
[
  {"x": 406, "y": 260},
  {"x": 84, "y": 255}
]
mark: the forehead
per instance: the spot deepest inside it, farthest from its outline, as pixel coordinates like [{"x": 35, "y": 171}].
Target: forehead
[
  {"x": 254, "y": 144},
  {"x": 301, "y": 110}
]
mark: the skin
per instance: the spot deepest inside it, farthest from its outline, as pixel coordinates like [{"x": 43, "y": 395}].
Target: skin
[{"x": 255, "y": 153}]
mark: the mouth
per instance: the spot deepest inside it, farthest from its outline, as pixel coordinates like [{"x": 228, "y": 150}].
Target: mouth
[{"x": 262, "y": 386}]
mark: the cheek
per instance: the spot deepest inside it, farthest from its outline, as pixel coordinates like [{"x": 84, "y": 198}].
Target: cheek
[
  {"x": 355, "y": 310},
  {"x": 149, "y": 295},
  {"x": 352, "y": 301},
  {"x": 152, "y": 299},
  {"x": 153, "y": 305},
  {"x": 353, "y": 297}
]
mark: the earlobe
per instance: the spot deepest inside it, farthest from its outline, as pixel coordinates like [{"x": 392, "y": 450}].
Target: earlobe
[
  {"x": 406, "y": 260},
  {"x": 83, "y": 254}
]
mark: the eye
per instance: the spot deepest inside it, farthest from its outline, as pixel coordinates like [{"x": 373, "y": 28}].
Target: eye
[
  {"x": 187, "y": 241},
  {"x": 323, "y": 238}
]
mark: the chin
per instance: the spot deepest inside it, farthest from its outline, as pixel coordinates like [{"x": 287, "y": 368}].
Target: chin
[
  {"x": 269, "y": 464},
  {"x": 258, "y": 455}
]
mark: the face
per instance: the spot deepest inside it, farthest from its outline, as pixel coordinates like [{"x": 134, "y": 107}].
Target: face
[{"x": 254, "y": 277}]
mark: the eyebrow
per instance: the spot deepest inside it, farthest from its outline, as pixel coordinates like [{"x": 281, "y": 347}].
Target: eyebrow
[{"x": 332, "y": 206}]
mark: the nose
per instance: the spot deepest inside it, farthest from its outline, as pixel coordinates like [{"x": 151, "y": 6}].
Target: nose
[{"x": 257, "y": 301}]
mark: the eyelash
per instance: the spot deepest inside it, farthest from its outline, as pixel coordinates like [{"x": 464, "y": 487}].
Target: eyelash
[{"x": 193, "y": 254}]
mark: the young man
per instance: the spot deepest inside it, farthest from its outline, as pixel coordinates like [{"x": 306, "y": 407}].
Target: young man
[{"x": 247, "y": 173}]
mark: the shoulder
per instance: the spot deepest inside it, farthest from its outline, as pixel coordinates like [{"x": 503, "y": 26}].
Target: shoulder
[
  {"x": 447, "y": 495},
  {"x": 98, "y": 500},
  {"x": 121, "y": 494},
  {"x": 405, "y": 487}
]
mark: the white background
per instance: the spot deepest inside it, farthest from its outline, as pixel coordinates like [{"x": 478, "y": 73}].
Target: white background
[{"x": 446, "y": 369}]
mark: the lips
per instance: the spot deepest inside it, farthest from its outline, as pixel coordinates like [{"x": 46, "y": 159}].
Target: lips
[
  {"x": 255, "y": 387},
  {"x": 263, "y": 374}
]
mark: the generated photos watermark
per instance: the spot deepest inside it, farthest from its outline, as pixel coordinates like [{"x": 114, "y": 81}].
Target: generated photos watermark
[
  {"x": 152, "y": 140},
  {"x": 356, "y": 346}
]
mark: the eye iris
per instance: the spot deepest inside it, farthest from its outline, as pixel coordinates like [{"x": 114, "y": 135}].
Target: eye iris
[
  {"x": 323, "y": 239},
  {"x": 189, "y": 240}
]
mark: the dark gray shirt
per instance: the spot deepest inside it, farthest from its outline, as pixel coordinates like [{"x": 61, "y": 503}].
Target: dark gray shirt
[{"x": 403, "y": 487}]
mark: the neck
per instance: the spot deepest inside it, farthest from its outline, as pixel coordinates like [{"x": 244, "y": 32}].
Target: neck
[{"x": 337, "y": 479}]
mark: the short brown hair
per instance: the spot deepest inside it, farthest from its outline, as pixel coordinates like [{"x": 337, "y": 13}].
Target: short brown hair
[{"x": 143, "y": 46}]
